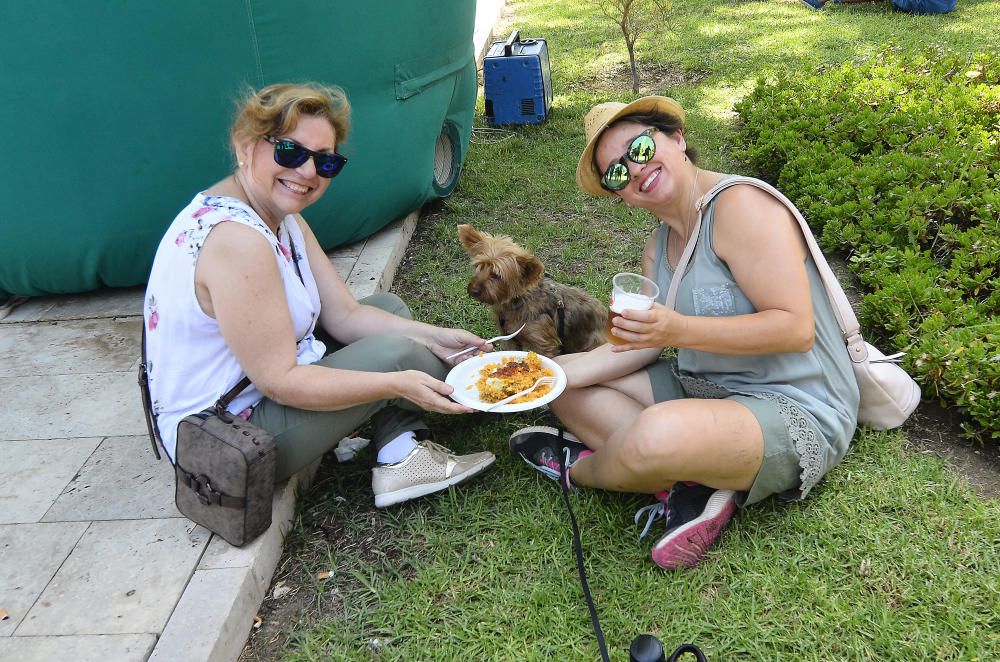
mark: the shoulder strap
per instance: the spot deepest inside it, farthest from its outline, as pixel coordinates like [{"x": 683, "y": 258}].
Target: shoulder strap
[
  {"x": 842, "y": 309},
  {"x": 231, "y": 394},
  {"x": 147, "y": 404},
  {"x": 675, "y": 282}
]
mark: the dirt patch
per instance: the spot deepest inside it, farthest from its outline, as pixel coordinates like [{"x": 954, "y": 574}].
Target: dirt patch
[
  {"x": 934, "y": 430},
  {"x": 279, "y": 617},
  {"x": 338, "y": 529},
  {"x": 654, "y": 78}
]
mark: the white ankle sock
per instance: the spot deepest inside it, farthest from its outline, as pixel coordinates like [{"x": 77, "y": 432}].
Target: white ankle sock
[{"x": 397, "y": 449}]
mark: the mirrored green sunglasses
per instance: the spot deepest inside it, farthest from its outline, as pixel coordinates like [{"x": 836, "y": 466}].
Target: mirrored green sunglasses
[{"x": 641, "y": 150}]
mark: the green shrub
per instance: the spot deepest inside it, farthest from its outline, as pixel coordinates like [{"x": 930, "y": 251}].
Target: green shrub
[{"x": 894, "y": 162}]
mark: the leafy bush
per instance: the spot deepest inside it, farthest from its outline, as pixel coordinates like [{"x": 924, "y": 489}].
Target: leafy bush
[{"x": 894, "y": 162}]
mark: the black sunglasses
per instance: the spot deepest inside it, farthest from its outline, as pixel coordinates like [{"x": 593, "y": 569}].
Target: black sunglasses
[
  {"x": 641, "y": 150},
  {"x": 290, "y": 154}
]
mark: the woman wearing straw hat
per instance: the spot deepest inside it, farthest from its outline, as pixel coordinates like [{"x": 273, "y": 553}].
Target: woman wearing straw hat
[{"x": 760, "y": 399}]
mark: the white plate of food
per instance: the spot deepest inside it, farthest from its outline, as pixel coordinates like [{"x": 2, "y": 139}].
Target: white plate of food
[{"x": 488, "y": 378}]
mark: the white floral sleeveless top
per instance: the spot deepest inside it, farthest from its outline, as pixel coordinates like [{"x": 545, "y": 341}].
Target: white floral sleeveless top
[{"x": 189, "y": 364}]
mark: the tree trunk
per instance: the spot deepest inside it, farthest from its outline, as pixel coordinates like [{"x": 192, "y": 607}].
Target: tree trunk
[{"x": 635, "y": 72}]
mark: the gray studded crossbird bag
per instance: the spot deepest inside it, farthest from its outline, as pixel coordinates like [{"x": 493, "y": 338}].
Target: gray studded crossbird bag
[{"x": 224, "y": 466}]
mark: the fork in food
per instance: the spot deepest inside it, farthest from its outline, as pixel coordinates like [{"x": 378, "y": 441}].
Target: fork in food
[{"x": 541, "y": 381}]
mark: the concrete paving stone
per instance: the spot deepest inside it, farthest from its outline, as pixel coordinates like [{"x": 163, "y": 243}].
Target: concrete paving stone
[
  {"x": 239, "y": 579},
  {"x": 386, "y": 249},
  {"x": 31, "y": 310},
  {"x": 376, "y": 265},
  {"x": 70, "y": 347},
  {"x": 92, "y": 648},
  {"x": 121, "y": 480},
  {"x": 212, "y": 619},
  {"x": 266, "y": 549},
  {"x": 99, "y": 304},
  {"x": 348, "y": 252},
  {"x": 35, "y": 472},
  {"x": 30, "y": 554},
  {"x": 343, "y": 266},
  {"x": 487, "y": 14},
  {"x": 63, "y": 406},
  {"x": 122, "y": 577},
  {"x": 363, "y": 281}
]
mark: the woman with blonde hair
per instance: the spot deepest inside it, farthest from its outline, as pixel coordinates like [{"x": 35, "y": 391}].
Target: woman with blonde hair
[{"x": 240, "y": 286}]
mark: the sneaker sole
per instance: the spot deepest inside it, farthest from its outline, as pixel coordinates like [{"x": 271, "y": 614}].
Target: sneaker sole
[
  {"x": 684, "y": 546},
  {"x": 399, "y": 496},
  {"x": 530, "y": 448}
]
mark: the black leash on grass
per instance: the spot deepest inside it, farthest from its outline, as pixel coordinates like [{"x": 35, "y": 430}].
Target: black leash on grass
[
  {"x": 578, "y": 548},
  {"x": 645, "y": 647}
]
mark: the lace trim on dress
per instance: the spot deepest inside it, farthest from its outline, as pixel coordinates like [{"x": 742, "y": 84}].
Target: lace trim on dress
[
  {"x": 696, "y": 387},
  {"x": 804, "y": 436},
  {"x": 809, "y": 446}
]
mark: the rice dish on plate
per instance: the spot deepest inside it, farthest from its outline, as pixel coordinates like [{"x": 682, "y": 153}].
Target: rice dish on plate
[{"x": 502, "y": 380}]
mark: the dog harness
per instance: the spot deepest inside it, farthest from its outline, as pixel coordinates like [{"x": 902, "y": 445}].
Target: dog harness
[{"x": 558, "y": 315}]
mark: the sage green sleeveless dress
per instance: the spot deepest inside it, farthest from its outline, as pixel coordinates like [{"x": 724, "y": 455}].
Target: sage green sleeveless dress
[{"x": 806, "y": 402}]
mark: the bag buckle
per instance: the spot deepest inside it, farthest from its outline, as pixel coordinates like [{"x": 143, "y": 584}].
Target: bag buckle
[{"x": 202, "y": 486}]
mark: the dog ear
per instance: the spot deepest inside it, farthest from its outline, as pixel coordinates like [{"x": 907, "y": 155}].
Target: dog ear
[
  {"x": 532, "y": 269},
  {"x": 470, "y": 238}
]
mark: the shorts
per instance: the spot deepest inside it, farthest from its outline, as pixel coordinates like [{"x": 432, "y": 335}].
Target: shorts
[{"x": 782, "y": 469}]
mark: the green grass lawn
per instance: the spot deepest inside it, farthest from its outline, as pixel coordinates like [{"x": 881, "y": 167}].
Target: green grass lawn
[{"x": 892, "y": 557}]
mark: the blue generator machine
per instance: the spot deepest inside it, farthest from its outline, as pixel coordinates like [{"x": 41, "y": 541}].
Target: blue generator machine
[{"x": 517, "y": 82}]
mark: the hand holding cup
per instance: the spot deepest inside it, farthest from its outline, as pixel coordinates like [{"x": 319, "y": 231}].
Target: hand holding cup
[{"x": 628, "y": 292}]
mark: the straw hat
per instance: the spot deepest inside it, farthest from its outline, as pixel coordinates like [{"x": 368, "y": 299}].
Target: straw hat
[{"x": 598, "y": 119}]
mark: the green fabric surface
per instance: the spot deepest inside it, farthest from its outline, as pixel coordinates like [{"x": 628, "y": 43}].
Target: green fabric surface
[{"x": 117, "y": 113}]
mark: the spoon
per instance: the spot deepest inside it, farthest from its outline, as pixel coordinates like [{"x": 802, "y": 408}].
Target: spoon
[{"x": 488, "y": 342}]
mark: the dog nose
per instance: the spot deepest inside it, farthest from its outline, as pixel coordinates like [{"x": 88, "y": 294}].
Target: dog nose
[{"x": 473, "y": 291}]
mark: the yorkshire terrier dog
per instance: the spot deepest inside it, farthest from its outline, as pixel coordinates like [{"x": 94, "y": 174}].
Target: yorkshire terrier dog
[{"x": 558, "y": 319}]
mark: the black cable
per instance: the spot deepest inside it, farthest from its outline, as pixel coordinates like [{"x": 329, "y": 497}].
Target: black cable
[
  {"x": 578, "y": 547},
  {"x": 687, "y": 648},
  {"x": 644, "y": 639}
]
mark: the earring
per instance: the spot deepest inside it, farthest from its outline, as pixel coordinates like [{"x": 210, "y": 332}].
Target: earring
[{"x": 240, "y": 163}]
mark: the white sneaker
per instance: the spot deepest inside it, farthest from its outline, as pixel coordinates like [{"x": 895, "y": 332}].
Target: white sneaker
[{"x": 428, "y": 468}]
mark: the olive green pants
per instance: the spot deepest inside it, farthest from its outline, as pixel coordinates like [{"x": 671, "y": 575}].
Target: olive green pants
[{"x": 302, "y": 436}]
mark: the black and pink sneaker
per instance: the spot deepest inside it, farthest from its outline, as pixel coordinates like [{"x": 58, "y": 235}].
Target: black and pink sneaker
[
  {"x": 696, "y": 516},
  {"x": 546, "y": 449},
  {"x": 653, "y": 512}
]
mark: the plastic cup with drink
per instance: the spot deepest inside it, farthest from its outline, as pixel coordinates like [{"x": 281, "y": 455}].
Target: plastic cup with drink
[{"x": 628, "y": 292}]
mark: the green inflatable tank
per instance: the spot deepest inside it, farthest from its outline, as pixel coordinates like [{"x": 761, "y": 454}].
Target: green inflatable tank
[{"x": 116, "y": 112}]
